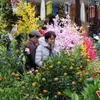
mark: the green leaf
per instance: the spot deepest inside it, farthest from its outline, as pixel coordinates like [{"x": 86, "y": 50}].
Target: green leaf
[
  {"x": 30, "y": 98},
  {"x": 68, "y": 93},
  {"x": 47, "y": 98},
  {"x": 75, "y": 96}
]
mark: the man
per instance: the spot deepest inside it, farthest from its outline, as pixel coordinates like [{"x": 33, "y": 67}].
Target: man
[{"x": 30, "y": 49}]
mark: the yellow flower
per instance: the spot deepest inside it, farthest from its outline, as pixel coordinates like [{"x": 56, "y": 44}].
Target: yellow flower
[{"x": 28, "y": 21}]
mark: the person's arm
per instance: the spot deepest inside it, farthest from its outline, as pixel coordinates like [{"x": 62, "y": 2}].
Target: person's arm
[{"x": 38, "y": 56}]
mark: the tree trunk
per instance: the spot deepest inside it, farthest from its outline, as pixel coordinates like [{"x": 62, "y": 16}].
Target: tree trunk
[
  {"x": 77, "y": 16},
  {"x": 96, "y": 21}
]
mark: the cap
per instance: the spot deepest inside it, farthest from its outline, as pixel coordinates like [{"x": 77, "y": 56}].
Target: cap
[{"x": 34, "y": 33}]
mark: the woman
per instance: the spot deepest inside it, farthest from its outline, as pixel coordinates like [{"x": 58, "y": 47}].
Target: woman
[{"x": 47, "y": 47}]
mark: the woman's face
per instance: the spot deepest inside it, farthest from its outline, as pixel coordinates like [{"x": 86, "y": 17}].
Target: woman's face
[{"x": 51, "y": 40}]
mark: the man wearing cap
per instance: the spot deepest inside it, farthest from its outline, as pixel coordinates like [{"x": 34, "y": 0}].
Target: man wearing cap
[{"x": 30, "y": 49}]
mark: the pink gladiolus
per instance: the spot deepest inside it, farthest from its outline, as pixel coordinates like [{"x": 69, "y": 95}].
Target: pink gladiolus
[{"x": 89, "y": 48}]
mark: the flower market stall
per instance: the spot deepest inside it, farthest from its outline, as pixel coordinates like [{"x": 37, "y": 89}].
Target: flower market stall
[{"x": 71, "y": 74}]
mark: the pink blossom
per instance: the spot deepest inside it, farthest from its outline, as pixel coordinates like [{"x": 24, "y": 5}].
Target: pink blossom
[{"x": 68, "y": 36}]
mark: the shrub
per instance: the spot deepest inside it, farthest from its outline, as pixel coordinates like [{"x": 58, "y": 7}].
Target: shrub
[
  {"x": 89, "y": 92},
  {"x": 60, "y": 72}
]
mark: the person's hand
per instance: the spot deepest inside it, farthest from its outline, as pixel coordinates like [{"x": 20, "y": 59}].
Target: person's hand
[
  {"x": 27, "y": 50},
  {"x": 31, "y": 71},
  {"x": 36, "y": 44},
  {"x": 52, "y": 45}
]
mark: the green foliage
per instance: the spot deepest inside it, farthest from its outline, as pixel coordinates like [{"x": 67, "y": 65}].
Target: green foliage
[
  {"x": 6, "y": 14},
  {"x": 9, "y": 63},
  {"x": 60, "y": 78},
  {"x": 44, "y": 98},
  {"x": 72, "y": 95},
  {"x": 60, "y": 72},
  {"x": 2, "y": 28},
  {"x": 89, "y": 92},
  {"x": 93, "y": 69},
  {"x": 75, "y": 96},
  {"x": 62, "y": 10},
  {"x": 11, "y": 94},
  {"x": 98, "y": 52}
]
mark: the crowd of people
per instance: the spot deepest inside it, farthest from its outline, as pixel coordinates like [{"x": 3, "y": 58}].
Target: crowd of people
[{"x": 38, "y": 46}]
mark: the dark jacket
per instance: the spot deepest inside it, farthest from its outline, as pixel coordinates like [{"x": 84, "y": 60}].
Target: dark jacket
[
  {"x": 19, "y": 40},
  {"x": 30, "y": 58}
]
